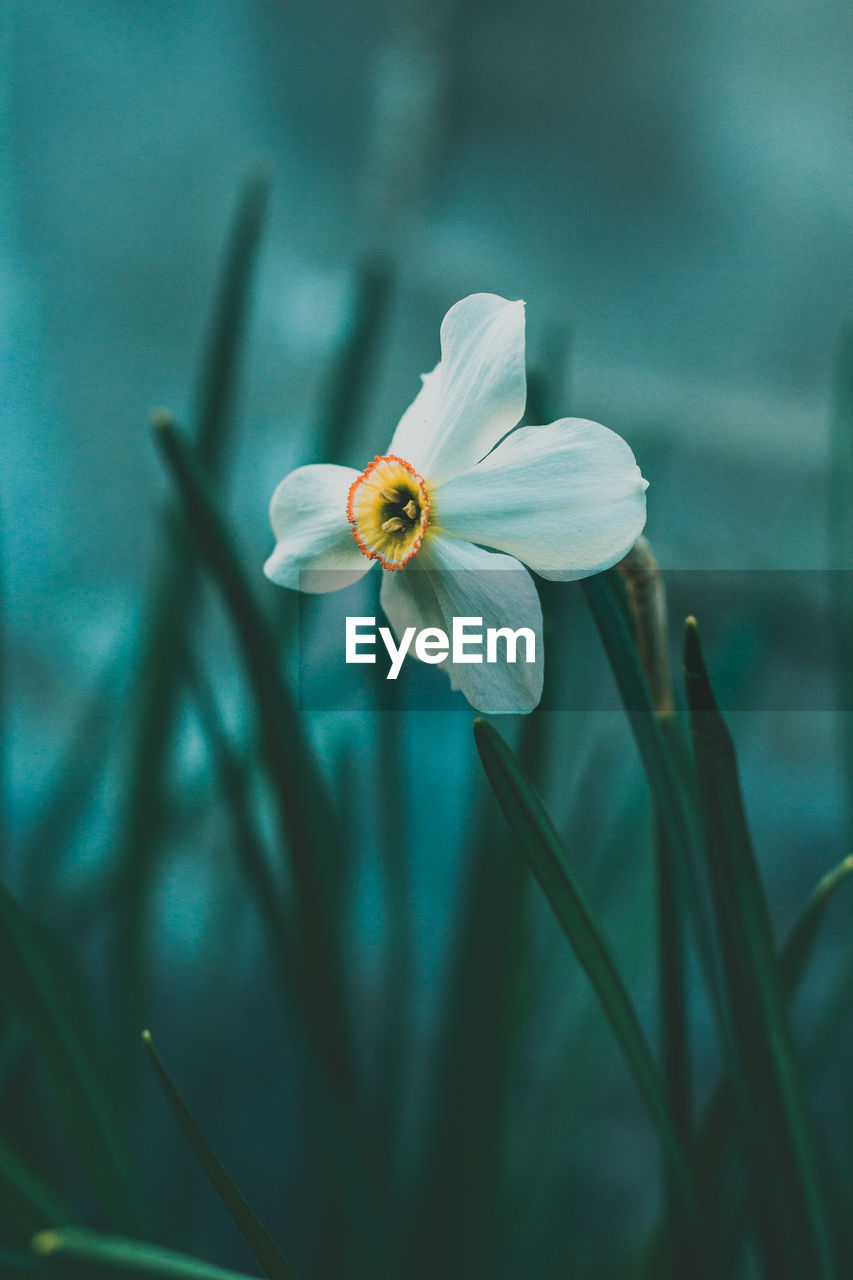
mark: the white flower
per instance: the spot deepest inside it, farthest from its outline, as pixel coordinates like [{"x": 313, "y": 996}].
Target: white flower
[{"x": 567, "y": 500}]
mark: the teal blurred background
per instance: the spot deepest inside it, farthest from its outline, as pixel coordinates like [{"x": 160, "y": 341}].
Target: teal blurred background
[{"x": 668, "y": 187}]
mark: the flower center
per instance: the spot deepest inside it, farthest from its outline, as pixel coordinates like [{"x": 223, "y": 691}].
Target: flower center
[{"x": 388, "y": 509}]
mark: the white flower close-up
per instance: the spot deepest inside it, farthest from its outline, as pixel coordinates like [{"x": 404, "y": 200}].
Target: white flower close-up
[{"x": 463, "y": 499}]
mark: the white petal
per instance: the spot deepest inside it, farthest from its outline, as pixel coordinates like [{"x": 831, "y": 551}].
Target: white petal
[
  {"x": 315, "y": 550},
  {"x": 474, "y": 396},
  {"x": 567, "y": 499},
  {"x": 419, "y": 421},
  {"x": 452, "y": 579}
]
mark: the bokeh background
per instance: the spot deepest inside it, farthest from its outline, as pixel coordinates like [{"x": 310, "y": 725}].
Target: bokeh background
[{"x": 667, "y": 185}]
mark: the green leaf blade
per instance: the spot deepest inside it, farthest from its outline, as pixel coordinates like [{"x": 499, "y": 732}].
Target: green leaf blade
[
  {"x": 154, "y": 705},
  {"x": 306, "y": 815},
  {"x": 801, "y": 940},
  {"x": 604, "y": 595},
  {"x": 541, "y": 845},
  {"x": 26, "y": 1200},
  {"x": 267, "y": 1252},
  {"x": 26, "y": 979},
  {"x": 118, "y": 1255},
  {"x": 355, "y": 364},
  {"x": 792, "y": 1211},
  {"x": 311, "y": 833},
  {"x": 220, "y": 369}
]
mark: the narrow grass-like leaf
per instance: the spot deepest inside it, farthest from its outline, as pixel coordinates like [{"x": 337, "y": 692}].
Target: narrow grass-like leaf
[
  {"x": 671, "y": 796},
  {"x": 644, "y": 605},
  {"x": 119, "y": 1256},
  {"x": 672, "y": 788},
  {"x": 151, "y": 713},
  {"x": 674, "y": 1012},
  {"x": 673, "y": 1030},
  {"x": 840, "y": 510},
  {"x": 394, "y": 856},
  {"x": 340, "y": 1146},
  {"x": 157, "y": 685},
  {"x": 26, "y": 1200},
  {"x": 14, "y": 1045},
  {"x": 791, "y": 1210},
  {"x": 4, "y": 707},
  {"x": 801, "y": 939},
  {"x": 272, "y": 1260},
  {"x": 71, "y": 789},
  {"x": 542, "y": 846},
  {"x": 221, "y": 360},
  {"x": 306, "y": 815},
  {"x": 248, "y": 843},
  {"x": 311, "y": 833},
  {"x": 472, "y": 1063},
  {"x": 284, "y": 741},
  {"x": 718, "y": 1128},
  {"x": 349, "y": 378},
  {"x": 29, "y": 985},
  {"x": 718, "y": 1125},
  {"x": 348, "y": 383}
]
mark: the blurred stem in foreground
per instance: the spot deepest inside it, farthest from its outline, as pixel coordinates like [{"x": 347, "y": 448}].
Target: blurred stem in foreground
[
  {"x": 26, "y": 1200},
  {"x": 4, "y": 737},
  {"x": 310, "y": 831},
  {"x": 75, "y": 779},
  {"x": 460, "y": 1178},
  {"x": 171, "y": 602},
  {"x": 312, "y": 837},
  {"x": 347, "y": 388},
  {"x": 354, "y": 368},
  {"x": 248, "y": 845},
  {"x": 84, "y": 1096},
  {"x": 388, "y": 1102},
  {"x": 646, "y": 604},
  {"x": 841, "y": 559}
]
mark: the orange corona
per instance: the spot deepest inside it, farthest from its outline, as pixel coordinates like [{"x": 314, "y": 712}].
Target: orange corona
[{"x": 388, "y": 511}]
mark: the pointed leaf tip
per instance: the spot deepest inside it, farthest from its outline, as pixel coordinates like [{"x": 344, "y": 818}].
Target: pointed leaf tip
[
  {"x": 161, "y": 420},
  {"x": 272, "y": 1261},
  {"x": 700, "y": 695},
  {"x": 693, "y": 661}
]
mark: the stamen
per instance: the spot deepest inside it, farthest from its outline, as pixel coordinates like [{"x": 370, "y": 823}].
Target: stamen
[{"x": 388, "y": 509}]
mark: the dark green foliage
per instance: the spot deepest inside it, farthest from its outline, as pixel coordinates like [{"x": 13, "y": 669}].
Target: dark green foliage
[
  {"x": 789, "y": 1201},
  {"x": 380, "y": 1022}
]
